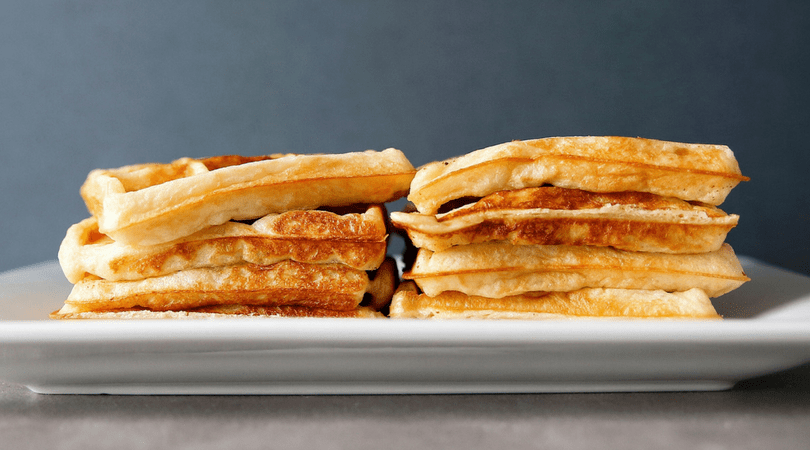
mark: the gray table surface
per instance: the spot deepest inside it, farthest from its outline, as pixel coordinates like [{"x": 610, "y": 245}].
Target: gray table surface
[{"x": 769, "y": 412}]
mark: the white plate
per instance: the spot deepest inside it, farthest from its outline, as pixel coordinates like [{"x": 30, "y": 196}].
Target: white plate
[{"x": 767, "y": 328}]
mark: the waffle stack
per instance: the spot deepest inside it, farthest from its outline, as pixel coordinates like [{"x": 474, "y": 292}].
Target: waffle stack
[
  {"x": 279, "y": 235},
  {"x": 571, "y": 227}
]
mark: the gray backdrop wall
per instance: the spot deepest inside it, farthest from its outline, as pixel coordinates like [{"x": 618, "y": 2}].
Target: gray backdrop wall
[{"x": 89, "y": 84}]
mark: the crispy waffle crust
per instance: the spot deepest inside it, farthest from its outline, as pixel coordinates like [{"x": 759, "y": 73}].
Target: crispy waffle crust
[
  {"x": 632, "y": 221},
  {"x": 297, "y": 288},
  {"x": 583, "y": 303},
  {"x": 698, "y": 172},
  {"x": 356, "y": 239},
  {"x": 223, "y": 312},
  {"x": 157, "y": 203},
  {"x": 499, "y": 269}
]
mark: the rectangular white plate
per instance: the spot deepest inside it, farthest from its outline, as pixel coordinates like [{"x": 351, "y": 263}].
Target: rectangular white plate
[{"x": 767, "y": 328}]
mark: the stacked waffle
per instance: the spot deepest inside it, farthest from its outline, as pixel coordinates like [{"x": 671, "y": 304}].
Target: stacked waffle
[
  {"x": 281, "y": 235},
  {"x": 571, "y": 227}
]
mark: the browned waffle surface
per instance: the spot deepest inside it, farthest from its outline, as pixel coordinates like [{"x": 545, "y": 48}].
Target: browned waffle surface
[
  {"x": 356, "y": 239},
  {"x": 499, "y": 269},
  {"x": 632, "y": 221},
  {"x": 698, "y": 172},
  {"x": 151, "y": 204},
  {"x": 408, "y": 302}
]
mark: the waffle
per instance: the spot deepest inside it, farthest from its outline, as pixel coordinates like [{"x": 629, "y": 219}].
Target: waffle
[
  {"x": 583, "y": 303},
  {"x": 153, "y": 203},
  {"x": 287, "y": 284},
  {"x": 232, "y": 236},
  {"x": 222, "y": 312},
  {"x": 355, "y": 239},
  {"x": 693, "y": 172},
  {"x": 500, "y": 269},
  {"x": 630, "y": 221}
]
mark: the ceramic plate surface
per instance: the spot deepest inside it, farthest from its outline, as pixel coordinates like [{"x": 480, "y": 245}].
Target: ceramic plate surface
[{"x": 766, "y": 329}]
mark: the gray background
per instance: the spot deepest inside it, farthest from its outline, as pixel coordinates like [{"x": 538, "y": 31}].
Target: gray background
[{"x": 104, "y": 84}]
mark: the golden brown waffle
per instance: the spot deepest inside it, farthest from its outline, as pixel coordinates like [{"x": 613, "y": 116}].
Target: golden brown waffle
[
  {"x": 499, "y": 269},
  {"x": 153, "y": 203},
  {"x": 632, "y": 221},
  {"x": 285, "y": 284},
  {"x": 223, "y": 312},
  {"x": 355, "y": 239},
  {"x": 583, "y": 303},
  {"x": 699, "y": 172}
]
